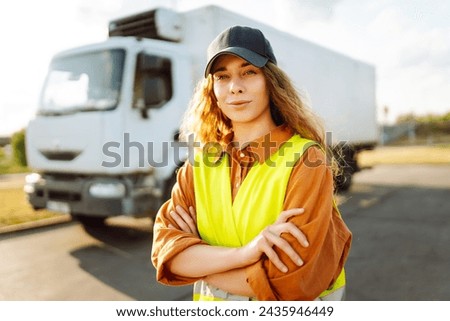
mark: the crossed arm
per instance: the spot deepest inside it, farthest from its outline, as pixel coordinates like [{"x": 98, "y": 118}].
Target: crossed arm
[
  {"x": 224, "y": 267},
  {"x": 181, "y": 257}
]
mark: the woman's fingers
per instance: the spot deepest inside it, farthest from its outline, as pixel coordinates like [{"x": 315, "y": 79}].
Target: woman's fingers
[
  {"x": 189, "y": 218},
  {"x": 184, "y": 219},
  {"x": 272, "y": 235},
  {"x": 285, "y": 215},
  {"x": 273, "y": 257},
  {"x": 292, "y": 229},
  {"x": 193, "y": 214},
  {"x": 180, "y": 222},
  {"x": 283, "y": 245}
]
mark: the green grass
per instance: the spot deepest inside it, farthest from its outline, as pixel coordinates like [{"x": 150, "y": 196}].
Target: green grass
[
  {"x": 9, "y": 166},
  {"x": 13, "y": 169},
  {"x": 15, "y": 209},
  {"x": 439, "y": 155}
]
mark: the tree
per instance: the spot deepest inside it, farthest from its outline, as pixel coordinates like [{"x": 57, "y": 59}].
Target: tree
[{"x": 18, "y": 147}]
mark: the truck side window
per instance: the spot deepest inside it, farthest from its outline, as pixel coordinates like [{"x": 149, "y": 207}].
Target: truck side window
[{"x": 153, "y": 82}]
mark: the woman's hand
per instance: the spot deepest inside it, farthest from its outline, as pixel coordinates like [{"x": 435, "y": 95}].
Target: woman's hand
[
  {"x": 261, "y": 244},
  {"x": 271, "y": 235},
  {"x": 186, "y": 221}
]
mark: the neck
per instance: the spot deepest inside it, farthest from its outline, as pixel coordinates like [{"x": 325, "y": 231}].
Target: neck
[{"x": 247, "y": 133}]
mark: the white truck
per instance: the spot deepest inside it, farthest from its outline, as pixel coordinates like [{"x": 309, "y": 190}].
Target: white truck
[{"x": 103, "y": 142}]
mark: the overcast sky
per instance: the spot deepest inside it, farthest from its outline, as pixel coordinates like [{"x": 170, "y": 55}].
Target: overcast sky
[{"x": 408, "y": 42}]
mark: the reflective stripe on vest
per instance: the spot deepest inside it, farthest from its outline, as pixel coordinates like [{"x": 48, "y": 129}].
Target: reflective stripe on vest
[{"x": 222, "y": 222}]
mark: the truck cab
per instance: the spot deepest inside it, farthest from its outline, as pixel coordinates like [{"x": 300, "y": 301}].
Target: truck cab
[{"x": 103, "y": 142}]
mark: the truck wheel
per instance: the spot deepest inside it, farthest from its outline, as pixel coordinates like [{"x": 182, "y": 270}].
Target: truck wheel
[
  {"x": 344, "y": 180},
  {"x": 346, "y": 157},
  {"x": 90, "y": 220}
]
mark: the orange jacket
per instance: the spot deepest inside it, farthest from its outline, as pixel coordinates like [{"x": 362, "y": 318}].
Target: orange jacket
[{"x": 310, "y": 187}]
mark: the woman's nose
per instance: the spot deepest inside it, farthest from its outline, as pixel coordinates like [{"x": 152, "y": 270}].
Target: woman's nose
[{"x": 236, "y": 86}]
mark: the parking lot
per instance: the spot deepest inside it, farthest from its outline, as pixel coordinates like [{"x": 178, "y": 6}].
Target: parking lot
[{"x": 399, "y": 216}]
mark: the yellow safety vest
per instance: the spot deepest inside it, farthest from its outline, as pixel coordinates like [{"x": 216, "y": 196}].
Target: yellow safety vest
[{"x": 222, "y": 222}]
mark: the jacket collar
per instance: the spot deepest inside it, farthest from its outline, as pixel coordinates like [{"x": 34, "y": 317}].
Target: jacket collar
[{"x": 257, "y": 150}]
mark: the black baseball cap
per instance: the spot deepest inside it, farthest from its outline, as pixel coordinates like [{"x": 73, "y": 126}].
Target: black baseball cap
[{"x": 244, "y": 42}]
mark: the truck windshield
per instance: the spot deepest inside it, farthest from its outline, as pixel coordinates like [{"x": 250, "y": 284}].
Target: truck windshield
[{"x": 83, "y": 82}]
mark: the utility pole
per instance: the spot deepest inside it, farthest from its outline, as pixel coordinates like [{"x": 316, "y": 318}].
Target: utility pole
[{"x": 384, "y": 137}]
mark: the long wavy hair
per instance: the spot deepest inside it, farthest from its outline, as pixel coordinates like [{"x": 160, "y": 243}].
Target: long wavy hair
[{"x": 207, "y": 123}]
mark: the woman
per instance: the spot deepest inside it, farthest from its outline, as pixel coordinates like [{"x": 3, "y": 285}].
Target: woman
[{"x": 253, "y": 216}]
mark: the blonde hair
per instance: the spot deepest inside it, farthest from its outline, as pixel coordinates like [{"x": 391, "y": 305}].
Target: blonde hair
[
  {"x": 207, "y": 123},
  {"x": 287, "y": 106},
  {"x": 204, "y": 119}
]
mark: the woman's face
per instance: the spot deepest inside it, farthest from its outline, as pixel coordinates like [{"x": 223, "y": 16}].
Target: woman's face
[{"x": 241, "y": 91}]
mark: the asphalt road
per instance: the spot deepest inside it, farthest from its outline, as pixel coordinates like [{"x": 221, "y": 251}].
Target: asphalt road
[
  {"x": 400, "y": 219},
  {"x": 69, "y": 262},
  {"x": 399, "y": 216}
]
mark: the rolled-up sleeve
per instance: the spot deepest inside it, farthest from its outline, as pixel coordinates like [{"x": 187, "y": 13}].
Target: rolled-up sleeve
[
  {"x": 168, "y": 242},
  {"x": 310, "y": 187}
]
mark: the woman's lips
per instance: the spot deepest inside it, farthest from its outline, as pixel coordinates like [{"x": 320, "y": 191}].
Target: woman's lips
[{"x": 238, "y": 102}]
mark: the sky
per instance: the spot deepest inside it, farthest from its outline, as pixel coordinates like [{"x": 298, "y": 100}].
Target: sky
[{"x": 407, "y": 41}]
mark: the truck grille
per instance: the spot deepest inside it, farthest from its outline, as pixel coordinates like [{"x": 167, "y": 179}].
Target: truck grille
[{"x": 64, "y": 196}]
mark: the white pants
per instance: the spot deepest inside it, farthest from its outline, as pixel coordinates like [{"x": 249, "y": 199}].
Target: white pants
[{"x": 338, "y": 295}]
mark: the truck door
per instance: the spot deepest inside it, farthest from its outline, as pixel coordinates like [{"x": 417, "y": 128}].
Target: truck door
[{"x": 161, "y": 91}]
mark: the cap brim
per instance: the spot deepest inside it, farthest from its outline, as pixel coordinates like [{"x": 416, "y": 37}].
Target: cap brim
[{"x": 248, "y": 55}]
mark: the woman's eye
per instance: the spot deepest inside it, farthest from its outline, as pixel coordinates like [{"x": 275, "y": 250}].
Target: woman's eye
[
  {"x": 250, "y": 72},
  {"x": 219, "y": 77}
]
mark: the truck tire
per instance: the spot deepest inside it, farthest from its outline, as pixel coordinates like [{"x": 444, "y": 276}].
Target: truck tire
[
  {"x": 344, "y": 180},
  {"x": 346, "y": 157}
]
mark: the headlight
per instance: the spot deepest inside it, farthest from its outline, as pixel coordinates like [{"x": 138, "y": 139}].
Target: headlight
[
  {"x": 30, "y": 181},
  {"x": 32, "y": 178},
  {"x": 107, "y": 190},
  {"x": 29, "y": 188}
]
